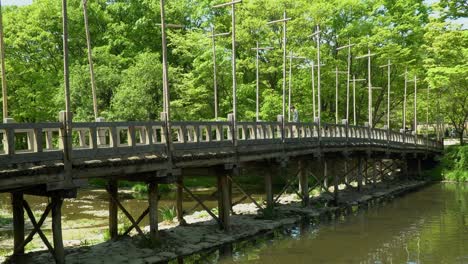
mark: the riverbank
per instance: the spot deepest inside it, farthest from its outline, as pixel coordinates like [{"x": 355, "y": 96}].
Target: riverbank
[
  {"x": 203, "y": 234},
  {"x": 453, "y": 165}
]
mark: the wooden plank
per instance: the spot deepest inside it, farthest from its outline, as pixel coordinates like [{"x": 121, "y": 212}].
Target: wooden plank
[
  {"x": 18, "y": 221},
  {"x": 112, "y": 189},
  {"x": 127, "y": 214},
  {"x": 57, "y": 229},
  {"x": 202, "y": 204},
  {"x": 153, "y": 197},
  {"x": 28, "y": 239},
  {"x": 38, "y": 228},
  {"x": 137, "y": 222}
]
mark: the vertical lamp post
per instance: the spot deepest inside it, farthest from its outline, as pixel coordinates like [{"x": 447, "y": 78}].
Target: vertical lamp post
[
  {"x": 415, "y": 104},
  {"x": 284, "y": 21},
  {"x": 215, "y": 81},
  {"x": 354, "y": 98},
  {"x": 404, "y": 99},
  {"x": 369, "y": 84},
  {"x": 348, "y": 75},
  {"x": 388, "y": 65},
  {"x": 2, "y": 58},
  {"x": 90, "y": 59},
  {"x": 257, "y": 91},
  {"x": 337, "y": 92},
  {"x": 291, "y": 57},
  {"x": 233, "y": 44},
  {"x": 316, "y": 34}
]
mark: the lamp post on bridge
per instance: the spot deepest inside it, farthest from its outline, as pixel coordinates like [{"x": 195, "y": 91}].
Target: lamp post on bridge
[
  {"x": 2, "y": 58},
  {"x": 354, "y": 97},
  {"x": 369, "y": 84},
  {"x": 336, "y": 92},
  {"x": 233, "y": 44},
  {"x": 415, "y": 103},
  {"x": 284, "y": 21},
  {"x": 312, "y": 66},
  {"x": 215, "y": 81},
  {"x": 291, "y": 57},
  {"x": 316, "y": 34},
  {"x": 349, "y": 46},
  {"x": 388, "y": 65},
  {"x": 257, "y": 92}
]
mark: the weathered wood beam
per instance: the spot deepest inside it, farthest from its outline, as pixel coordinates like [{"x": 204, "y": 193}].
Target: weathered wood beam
[
  {"x": 59, "y": 255},
  {"x": 137, "y": 222},
  {"x": 153, "y": 198},
  {"x": 38, "y": 228},
  {"x": 17, "y": 199},
  {"x": 28, "y": 239},
  {"x": 243, "y": 192},
  {"x": 112, "y": 189},
  {"x": 127, "y": 214},
  {"x": 201, "y": 204}
]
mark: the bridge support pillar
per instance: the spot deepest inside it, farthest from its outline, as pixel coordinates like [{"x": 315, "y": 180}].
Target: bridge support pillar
[
  {"x": 419, "y": 171},
  {"x": 153, "y": 198},
  {"x": 336, "y": 180},
  {"x": 59, "y": 250},
  {"x": 112, "y": 189},
  {"x": 18, "y": 223},
  {"x": 325, "y": 175},
  {"x": 374, "y": 173},
  {"x": 224, "y": 203},
  {"x": 303, "y": 183},
  {"x": 359, "y": 174},
  {"x": 269, "y": 188},
  {"x": 179, "y": 200}
]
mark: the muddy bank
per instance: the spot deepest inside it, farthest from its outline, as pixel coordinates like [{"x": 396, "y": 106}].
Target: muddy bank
[{"x": 203, "y": 233}]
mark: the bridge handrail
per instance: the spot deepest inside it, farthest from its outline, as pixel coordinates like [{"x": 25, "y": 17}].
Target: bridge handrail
[{"x": 41, "y": 142}]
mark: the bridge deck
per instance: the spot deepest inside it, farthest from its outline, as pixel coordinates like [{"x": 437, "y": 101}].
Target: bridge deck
[{"x": 34, "y": 153}]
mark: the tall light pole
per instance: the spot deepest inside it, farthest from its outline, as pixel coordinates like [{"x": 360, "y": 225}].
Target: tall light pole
[
  {"x": 369, "y": 84},
  {"x": 233, "y": 44},
  {"x": 337, "y": 93},
  {"x": 2, "y": 58},
  {"x": 388, "y": 65},
  {"x": 215, "y": 81},
  {"x": 284, "y": 21},
  {"x": 354, "y": 97},
  {"x": 291, "y": 57},
  {"x": 257, "y": 91},
  {"x": 415, "y": 103},
  {"x": 348, "y": 75},
  {"x": 427, "y": 112},
  {"x": 404, "y": 99},
  {"x": 312, "y": 67},
  {"x": 90, "y": 59},
  {"x": 316, "y": 34},
  {"x": 166, "y": 99}
]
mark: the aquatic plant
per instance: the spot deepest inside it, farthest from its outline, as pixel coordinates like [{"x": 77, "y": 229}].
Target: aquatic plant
[{"x": 168, "y": 214}]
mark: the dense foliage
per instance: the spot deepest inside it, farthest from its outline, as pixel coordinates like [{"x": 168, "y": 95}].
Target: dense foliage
[
  {"x": 126, "y": 44},
  {"x": 455, "y": 163}
]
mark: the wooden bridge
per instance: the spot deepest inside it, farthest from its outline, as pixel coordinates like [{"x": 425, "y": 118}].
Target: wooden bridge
[{"x": 44, "y": 159}]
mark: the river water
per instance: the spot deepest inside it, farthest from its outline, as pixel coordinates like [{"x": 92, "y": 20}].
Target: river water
[{"x": 427, "y": 226}]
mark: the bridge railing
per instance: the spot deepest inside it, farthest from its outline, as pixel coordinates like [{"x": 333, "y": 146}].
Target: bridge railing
[{"x": 39, "y": 143}]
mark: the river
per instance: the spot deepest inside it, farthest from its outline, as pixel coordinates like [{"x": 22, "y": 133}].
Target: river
[{"x": 427, "y": 226}]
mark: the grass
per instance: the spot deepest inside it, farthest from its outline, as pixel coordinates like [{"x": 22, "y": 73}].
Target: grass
[{"x": 168, "y": 214}]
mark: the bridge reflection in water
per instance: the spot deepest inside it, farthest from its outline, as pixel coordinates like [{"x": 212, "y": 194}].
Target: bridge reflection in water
[{"x": 55, "y": 164}]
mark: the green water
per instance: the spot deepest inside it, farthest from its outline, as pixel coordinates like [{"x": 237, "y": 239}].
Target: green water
[{"x": 428, "y": 226}]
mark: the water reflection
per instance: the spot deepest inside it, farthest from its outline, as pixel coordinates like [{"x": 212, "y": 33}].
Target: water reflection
[{"x": 429, "y": 226}]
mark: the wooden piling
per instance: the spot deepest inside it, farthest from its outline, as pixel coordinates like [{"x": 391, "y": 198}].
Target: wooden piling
[
  {"x": 18, "y": 221},
  {"x": 112, "y": 189},
  {"x": 359, "y": 175},
  {"x": 303, "y": 183},
  {"x": 223, "y": 201},
  {"x": 59, "y": 250},
  {"x": 419, "y": 172},
  {"x": 374, "y": 173},
  {"x": 269, "y": 188},
  {"x": 153, "y": 197},
  {"x": 336, "y": 180},
  {"x": 179, "y": 200},
  {"x": 325, "y": 175}
]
